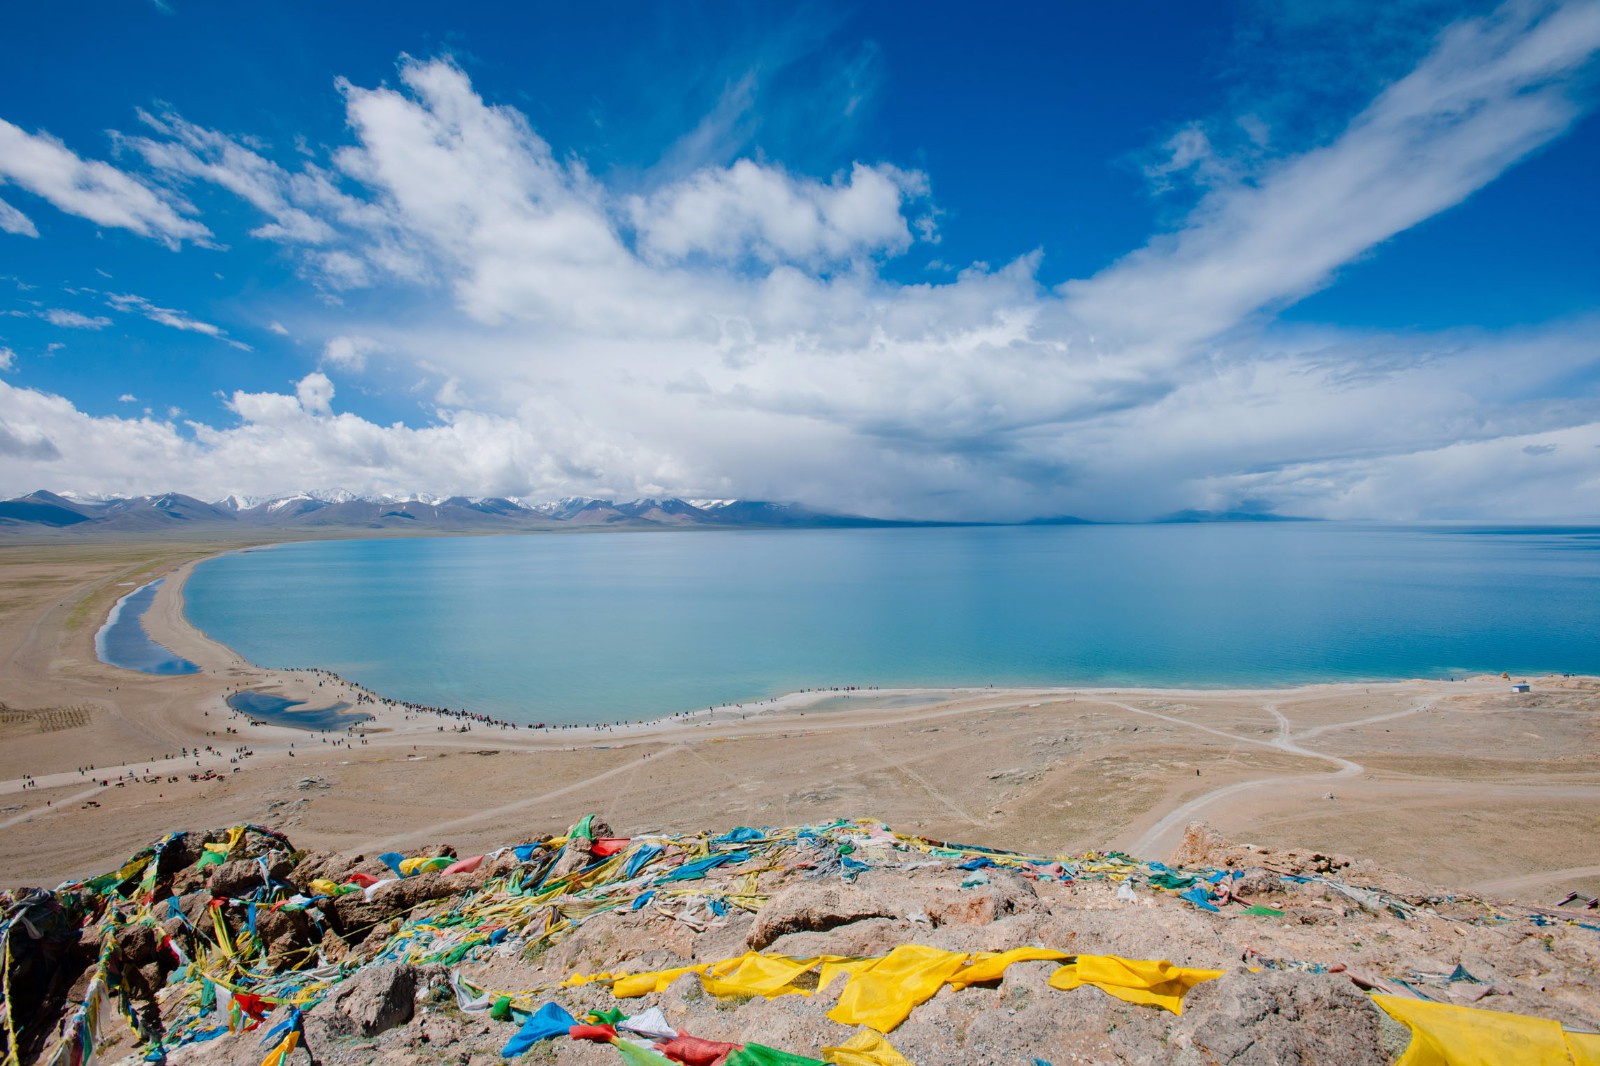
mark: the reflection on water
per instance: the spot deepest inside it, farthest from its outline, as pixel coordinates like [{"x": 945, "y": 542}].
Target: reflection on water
[{"x": 275, "y": 710}]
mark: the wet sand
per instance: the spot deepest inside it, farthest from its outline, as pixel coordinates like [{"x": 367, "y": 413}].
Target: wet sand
[{"x": 1462, "y": 784}]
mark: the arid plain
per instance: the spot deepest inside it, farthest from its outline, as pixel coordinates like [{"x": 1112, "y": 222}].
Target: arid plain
[{"x": 1462, "y": 784}]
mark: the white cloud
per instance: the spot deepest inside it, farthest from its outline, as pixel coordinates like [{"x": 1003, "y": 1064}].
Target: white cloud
[
  {"x": 8, "y": 358},
  {"x": 168, "y": 316},
  {"x": 73, "y": 320},
  {"x": 127, "y": 397},
  {"x": 279, "y": 328},
  {"x": 91, "y": 189},
  {"x": 727, "y": 332},
  {"x": 14, "y": 221},
  {"x": 1491, "y": 92},
  {"x": 349, "y": 353},
  {"x": 751, "y": 210},
  {"x": 314, "y": 393},
  {"x": 190, "y": 151}
]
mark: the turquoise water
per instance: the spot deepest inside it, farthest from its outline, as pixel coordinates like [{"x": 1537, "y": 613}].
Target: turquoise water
[
  {"x": 123, "y": 642},
  {"x": 610, "y": 626}
]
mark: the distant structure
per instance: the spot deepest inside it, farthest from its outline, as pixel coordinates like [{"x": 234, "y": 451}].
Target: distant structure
[{"x": 1522, "y": 688}]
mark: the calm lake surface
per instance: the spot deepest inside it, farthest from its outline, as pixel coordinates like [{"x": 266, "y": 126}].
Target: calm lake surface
[
  {"x": 123, "y": 642},
  {"x": 602, "y": 627}
]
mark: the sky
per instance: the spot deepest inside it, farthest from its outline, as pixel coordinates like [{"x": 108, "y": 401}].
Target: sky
[{"x": 1333, "y": 259}]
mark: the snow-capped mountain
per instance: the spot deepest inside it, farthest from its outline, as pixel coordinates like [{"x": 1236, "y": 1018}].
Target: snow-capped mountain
[{"x": 332, "y": 509}]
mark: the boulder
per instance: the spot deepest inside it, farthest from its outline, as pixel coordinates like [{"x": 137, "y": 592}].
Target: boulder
[
  {"x": 1279, "y": 1018},
  {"x": 1201, "y": 846},
  {"x": 934, "y": 895},
  {"x": 288, "y": 936},
  {"x": 355, "y": 915},
  {"x": 373, "y": 1001},
  {"x": 136, "y": 944},
  {"x": 322, "y": 864},
  {"x": 243, "y": 876}
]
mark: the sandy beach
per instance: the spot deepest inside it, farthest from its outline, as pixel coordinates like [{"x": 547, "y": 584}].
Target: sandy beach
[{"x": 1463, "y": 784}]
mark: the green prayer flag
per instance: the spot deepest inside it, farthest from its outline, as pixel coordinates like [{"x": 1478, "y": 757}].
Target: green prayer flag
[
  {"x": 761, "y": 1055},
  {"x": 634, "y": 1055}
]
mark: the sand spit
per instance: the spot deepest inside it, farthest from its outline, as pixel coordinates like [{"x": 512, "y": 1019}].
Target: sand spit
[{"x": 1462, "y": 783}]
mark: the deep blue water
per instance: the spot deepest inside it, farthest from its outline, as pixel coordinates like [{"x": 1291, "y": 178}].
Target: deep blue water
[
  {"x": 123, "y": 642},
  {"x": 602, "y": 627},
  {"x": 275, "y": 710}
]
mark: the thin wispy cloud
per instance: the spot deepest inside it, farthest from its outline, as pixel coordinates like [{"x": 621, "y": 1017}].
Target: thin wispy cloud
[
  {"x": 90, "y": 189},
  {"x": 57, "y": 316},
  {"x": 167, "y": 316}
]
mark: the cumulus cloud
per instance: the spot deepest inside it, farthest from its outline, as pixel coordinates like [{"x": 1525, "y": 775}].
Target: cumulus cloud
[
  {"x": 8, "y": 358},
  {"x": 752, "y": 210},
  {"x": 727, "y": 330},
  {"x": 314, "y": 393},
  {"x": 91, "y": 189}
]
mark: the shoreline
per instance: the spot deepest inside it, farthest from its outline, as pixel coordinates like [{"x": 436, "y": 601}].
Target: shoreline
[{"x": 1033, "y": 768}]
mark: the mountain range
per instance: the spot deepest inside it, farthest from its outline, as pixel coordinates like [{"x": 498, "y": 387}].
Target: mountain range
[
  {"x": 346, "y": 510},
  {"x": 334, "y": 510}
]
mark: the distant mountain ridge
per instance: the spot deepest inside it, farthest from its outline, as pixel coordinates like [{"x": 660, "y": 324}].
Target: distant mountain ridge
[{"x": 338, "y": 509}]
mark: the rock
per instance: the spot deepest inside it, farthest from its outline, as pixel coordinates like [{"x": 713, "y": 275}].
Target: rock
[
  {"x": 374, "y": 1000},
  {"x": 1258, "y": 883},
  {"x": 1201, "y": 846},
  {"x": 447, "y": 850},
  {"x": 187, "y": 881},
  {"x": 354, "y": 914},
  {"x": 814, "y": 907},
  {"x": 178, "y": 854},
  {"x": 573, "y": 858},
  {"x": 243, "y": 876},
  {"x": 1278, "y": 1018},
  {"x": 936, "y": 899},
  {"x": 288, "y": 936},
  {"x": 332, "y": 947},
  {"x": 322, "y": 864},
  {"x": 137, "y": 944},
  {"x": 195, "y": 907}
]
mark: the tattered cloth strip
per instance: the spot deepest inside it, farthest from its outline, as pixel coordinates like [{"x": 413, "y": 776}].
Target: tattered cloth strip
[{"x": 881, "y": 992}]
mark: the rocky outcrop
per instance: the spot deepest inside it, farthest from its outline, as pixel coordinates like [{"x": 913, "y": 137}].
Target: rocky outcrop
[
  {"x": 819, "y": 906},
  {"x": 374, "y": 1001},
  {"x": 1277, "y": 1018},
  {"x": 1298, "y": 947},
  {"x": 355, "y": 915},
  {"x": 241, "y": 877}
]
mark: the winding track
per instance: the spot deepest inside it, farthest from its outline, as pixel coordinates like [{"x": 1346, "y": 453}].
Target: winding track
[{"x": 1158, "y": 839}]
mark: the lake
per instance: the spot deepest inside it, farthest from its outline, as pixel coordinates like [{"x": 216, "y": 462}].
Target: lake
[{"x": 615, "y": 626}]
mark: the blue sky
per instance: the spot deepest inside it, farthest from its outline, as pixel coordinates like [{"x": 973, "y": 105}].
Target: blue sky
[{"x": 1337, "y": 259}]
